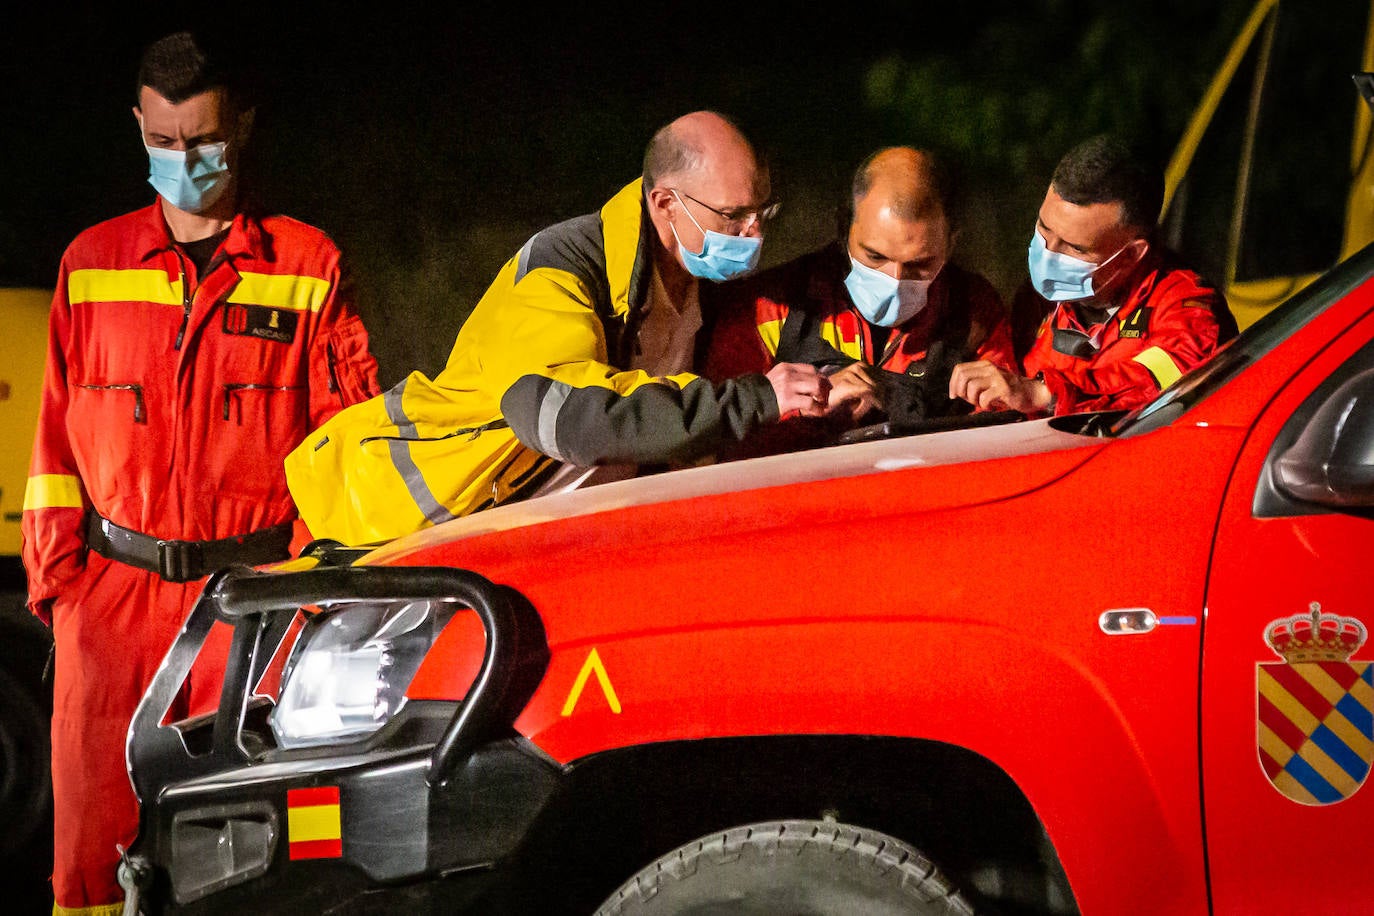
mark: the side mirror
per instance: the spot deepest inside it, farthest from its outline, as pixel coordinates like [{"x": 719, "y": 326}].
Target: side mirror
[{"x": 1332, "y": 462}]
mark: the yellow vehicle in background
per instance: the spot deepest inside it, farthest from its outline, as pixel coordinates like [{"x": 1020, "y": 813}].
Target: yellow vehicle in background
[
  {"x": 1272, "y": 182},
  {"x": 23, "y": 346},
  {"x": 25, "y": 695}
]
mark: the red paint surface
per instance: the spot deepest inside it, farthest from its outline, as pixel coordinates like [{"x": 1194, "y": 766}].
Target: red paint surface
[{"x": 959, "y": 602}]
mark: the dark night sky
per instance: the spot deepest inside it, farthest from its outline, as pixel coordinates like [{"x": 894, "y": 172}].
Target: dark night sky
[
  {"x": 417, "y": 134},
  {"x": 490, "y": 100},
  {"x": 431, "y": 139}
]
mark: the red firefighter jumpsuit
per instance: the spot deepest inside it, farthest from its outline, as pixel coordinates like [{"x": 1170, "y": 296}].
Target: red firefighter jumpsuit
[
  {"x": 169, "y": 403},
  {"x": 964, "y": 320},
  {"x": 1169, "y": 321}
]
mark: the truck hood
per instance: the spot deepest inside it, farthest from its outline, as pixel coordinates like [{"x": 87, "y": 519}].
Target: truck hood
[{"x": 1059, "y": 452}]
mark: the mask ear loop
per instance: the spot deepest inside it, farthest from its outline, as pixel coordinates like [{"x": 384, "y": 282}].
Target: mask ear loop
[
  {"x": 686, "y": 210},
  {"x": 683, "y": 205},
  {"x": 1109, "y": 260},
  {"x": 142, "y": 138},
  {"x": 1102, "y": 264}
]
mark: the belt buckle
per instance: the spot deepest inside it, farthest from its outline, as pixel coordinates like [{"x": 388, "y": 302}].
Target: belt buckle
[{"x": 178, "y": 561}]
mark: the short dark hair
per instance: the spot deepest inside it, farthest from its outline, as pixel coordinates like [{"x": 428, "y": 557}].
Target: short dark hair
[
  {"x": 1104, "y": 169},
  {"x": 183, "y": 64},
  {"x": 940, "y": 179}
]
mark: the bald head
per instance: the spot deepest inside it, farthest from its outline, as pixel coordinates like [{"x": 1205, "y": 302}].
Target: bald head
[
  {"x": 911, "y": 182},
  {"x": 696, "y": 142},
  {"x": 901, "y": 223}
]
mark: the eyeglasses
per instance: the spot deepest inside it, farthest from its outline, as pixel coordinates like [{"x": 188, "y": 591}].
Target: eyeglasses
[{"x": 738, "y": 218}]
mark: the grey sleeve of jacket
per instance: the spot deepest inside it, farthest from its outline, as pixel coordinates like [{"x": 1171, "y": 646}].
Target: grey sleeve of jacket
[{"x": 655, "y": 423}]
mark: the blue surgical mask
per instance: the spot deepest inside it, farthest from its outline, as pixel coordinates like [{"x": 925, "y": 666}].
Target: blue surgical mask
[
  {"x": 722, "y": 257},
  {"x": 883, "y": 300},
  {"x": 190, "y": 180},
  {"x": 1061, "y": 277}
]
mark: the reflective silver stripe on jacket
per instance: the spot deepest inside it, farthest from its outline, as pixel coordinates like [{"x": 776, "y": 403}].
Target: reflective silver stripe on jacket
[
  {"x": 549, "y": 408},
  {"x": 405, "y": 465}
]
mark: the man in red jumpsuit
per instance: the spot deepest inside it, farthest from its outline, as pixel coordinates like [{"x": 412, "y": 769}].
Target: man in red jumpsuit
[
  {"x": 1109, "y": 317},
  {"x": 192, "y": 345},
  {"x": 883, "y": 309}
]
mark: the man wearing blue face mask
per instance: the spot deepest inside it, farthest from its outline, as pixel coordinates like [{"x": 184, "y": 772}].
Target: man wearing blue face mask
[
  {"x": 883, "y": 308},
  {"x": 578, "y": 364},
  {"x": 1119, "y": 318},
  {"x": 192, "y": 343}
]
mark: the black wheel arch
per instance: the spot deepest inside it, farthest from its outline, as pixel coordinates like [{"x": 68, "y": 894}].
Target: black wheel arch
[{"x": 619, "y": 810}]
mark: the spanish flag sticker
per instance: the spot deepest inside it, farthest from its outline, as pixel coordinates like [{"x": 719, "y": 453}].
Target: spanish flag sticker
[{"x": 313, "y": 828}]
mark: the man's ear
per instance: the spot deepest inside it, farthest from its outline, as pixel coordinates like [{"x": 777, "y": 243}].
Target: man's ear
[
  {"x": 661, "y": 201},
  {"x": 1135, "y": 249},
  {"x": 138, "y": 117}
]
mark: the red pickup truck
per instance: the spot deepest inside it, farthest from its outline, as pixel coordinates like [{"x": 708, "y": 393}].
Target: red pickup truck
[{"x": 1105, "y": 663}]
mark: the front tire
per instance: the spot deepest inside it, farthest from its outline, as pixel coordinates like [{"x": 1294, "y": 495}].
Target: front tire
[{"x": 798, "y": 867}]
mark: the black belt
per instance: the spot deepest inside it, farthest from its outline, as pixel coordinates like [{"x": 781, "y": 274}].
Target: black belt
[{"x": 185, "y": 561}]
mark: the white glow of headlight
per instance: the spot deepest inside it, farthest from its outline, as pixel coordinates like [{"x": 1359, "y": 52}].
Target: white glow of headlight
[{"x": 349, "y": 672}]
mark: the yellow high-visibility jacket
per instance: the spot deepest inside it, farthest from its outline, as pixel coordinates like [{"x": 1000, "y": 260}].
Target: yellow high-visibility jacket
[{"x": 537, "y": 374}]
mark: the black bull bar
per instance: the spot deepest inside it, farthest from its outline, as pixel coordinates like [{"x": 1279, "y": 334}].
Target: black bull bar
[{"x": 261, "y": 608}]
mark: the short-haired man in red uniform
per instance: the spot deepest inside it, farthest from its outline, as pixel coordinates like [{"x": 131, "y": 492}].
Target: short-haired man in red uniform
[
  {"x": 883, "y": 308},
  {"x": 192, "y": 344},
  {"x": 1109, "y": 317}
]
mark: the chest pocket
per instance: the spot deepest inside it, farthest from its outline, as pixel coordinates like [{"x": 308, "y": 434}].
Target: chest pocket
[
  {"x": 134, "y": 394},
  {"x": 249, "y": 400}
]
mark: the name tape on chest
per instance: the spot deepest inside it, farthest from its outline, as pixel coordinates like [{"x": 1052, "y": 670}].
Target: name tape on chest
[
  {"x": 1135, "y": 324},
  {"x": 261, "y": 321}
]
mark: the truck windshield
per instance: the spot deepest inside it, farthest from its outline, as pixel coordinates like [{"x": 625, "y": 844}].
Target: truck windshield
[{"x": 1252, "y": 344}]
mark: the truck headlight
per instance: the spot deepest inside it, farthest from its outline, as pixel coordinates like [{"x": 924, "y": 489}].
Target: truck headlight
[{"x": 350, "y": 667}]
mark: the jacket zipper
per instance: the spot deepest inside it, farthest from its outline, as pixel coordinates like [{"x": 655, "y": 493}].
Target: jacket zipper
[
  {"x": 140, "y": 414},
  {"x": 329, "y": 360},
  {"x": 894, "y": 341},
  {"x": 185, "y": 299}
]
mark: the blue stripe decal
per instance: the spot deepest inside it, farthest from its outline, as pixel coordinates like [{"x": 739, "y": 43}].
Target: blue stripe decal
[
  {"x": 1312, "y": 781},
  {"x": 1340, "y": 752},
  {"x": 1177, "y": 621},
  {"x": 1358, "y": 714}
]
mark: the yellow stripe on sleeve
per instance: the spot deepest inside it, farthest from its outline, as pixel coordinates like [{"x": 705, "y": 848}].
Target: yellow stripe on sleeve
[
  {"x": 1161, "y": 366},
  {"x": 93, "y": 285},
  {"x": 313, "y": 822},
  {"x": 282, "y": 291},
  {"x": 53, "y": 491}
]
